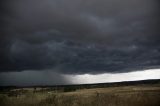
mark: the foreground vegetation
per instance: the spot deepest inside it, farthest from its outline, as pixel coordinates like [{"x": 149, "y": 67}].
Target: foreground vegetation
[{"x": 137, "y": 95}]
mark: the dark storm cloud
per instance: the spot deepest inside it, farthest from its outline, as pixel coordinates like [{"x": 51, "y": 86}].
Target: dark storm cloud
[{"x": 79, "y": 36}]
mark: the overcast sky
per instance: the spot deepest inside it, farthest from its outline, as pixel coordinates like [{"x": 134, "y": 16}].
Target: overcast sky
[{"x": 78, "y": 37}]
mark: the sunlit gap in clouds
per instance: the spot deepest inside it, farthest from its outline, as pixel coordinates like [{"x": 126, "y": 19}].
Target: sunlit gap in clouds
[
  {"x": 49, "y": 77},
  {"x": 118, "y": 77}
]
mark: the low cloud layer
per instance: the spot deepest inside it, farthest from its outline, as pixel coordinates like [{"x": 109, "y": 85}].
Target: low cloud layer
[
  {"x": 79, "y": 36},
  {"x": 31, "y": 78}
]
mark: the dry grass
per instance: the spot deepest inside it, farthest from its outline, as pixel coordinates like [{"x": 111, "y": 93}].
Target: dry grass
[{"x": 112, "y": 96}]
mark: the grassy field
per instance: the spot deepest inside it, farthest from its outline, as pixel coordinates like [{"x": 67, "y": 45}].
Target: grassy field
[{"x": 140, "y": 95}]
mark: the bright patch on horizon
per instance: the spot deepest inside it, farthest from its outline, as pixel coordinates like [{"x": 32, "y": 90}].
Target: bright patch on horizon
[{"x": 118, "y": 77}]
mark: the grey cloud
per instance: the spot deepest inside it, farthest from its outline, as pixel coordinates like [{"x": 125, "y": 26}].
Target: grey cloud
[{"x": 79, "y": 36}]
